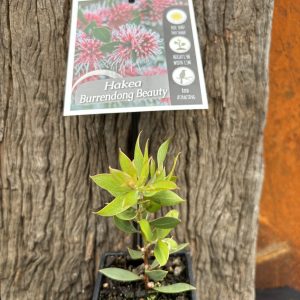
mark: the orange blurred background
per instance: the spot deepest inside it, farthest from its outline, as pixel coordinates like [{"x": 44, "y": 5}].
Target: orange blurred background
[{"x": 278, "y": 255}]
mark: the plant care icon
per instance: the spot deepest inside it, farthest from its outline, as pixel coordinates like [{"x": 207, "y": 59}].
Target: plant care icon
[
  {"x": 176, "y": 16},
  {"x": 180, "y": 44},
  {"x": 183, "y": 76}
]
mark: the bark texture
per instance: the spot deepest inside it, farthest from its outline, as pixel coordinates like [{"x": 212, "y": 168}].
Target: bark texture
[{"x": 49, "y": 241}]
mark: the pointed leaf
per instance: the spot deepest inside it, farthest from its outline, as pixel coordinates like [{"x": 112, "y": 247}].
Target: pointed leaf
[
  {"x": 171, "y": 243},
  {"x": 109, "y": 47},
  {"x": 173, "y": 246},
  {"x": 161, "y": 186},
  {"x": 157, "y": 275},
  {"x": 109, "y": 183},
  {"x": 175, "y": 288},
  {"x": 81, "y": 17},
  {"x": 90, "y": 27},
  {"x": 152, "y": 207},
  {"x": 154, "y": 264},
  {"x": 119, "y": 204},
  {"x": 162, "y": 153},
  {"x": 120, "y": 274},
  {"x": 126, "y": 164},
  {"x": 161, "y": 252},
  {"x": 146, "y": 230},
  {"x": 146, "y": 152},
  {"x": 130, "y": 199},
  {"x": 128, "y": 214},
  {"x": 135, "y": 254},
  {"x": 144, "y": 174},
  {"x": 165, "y": 223},
  {"x": 160, "y": 174},
  {"x": 152, "y": 167},
  {"x": 162, "y": 233},
  {"x": 174, "y": 213},
  {"x": 173, "y": 167},
  {"x": 167, "y": 198},
  {"x": 138, "y": 156},
  {"x": 125, "y": 226},
  {"x": 123, "y": 178},
  {"x": 180, "y": 247},
  {"x": 102, "y": 33}
]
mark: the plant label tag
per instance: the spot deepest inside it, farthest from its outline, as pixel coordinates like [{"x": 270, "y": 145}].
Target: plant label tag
[{"x": 140, "y": 56}]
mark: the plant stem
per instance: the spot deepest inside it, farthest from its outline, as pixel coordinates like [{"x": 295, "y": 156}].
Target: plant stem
[
  {"x": 146, "y": 264},
  {"x": 146, "y": 250}
]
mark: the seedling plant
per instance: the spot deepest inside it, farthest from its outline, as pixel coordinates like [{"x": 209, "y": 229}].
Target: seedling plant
[{"x": 141, "y": 188}]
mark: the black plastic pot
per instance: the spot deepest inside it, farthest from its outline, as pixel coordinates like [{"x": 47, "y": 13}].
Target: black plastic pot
[{"x": 99, "y": 281}]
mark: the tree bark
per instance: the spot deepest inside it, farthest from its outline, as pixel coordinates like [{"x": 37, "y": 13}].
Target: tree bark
[{"x": 50, "y": 242}]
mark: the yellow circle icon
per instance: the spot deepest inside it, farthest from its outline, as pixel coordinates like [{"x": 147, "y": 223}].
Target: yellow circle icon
[{"x": 176, "y": 16}]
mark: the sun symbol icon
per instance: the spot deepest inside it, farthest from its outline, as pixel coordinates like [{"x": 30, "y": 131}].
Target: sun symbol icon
[{"x": 176, "y": 16}]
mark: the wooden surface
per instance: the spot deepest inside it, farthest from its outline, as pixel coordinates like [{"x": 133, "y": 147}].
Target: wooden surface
[
  {"x": 49, "y": 240},
  {"x": 279, "y": 239}
]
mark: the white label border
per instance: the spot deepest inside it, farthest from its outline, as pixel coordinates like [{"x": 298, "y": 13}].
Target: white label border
[{"x": 71, "y": 58}]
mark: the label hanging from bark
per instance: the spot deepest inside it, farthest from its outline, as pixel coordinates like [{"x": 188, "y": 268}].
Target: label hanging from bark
[{"x": 140, "y": 56}]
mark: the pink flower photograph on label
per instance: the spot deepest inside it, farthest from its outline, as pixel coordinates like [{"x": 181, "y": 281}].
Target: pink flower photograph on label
[{"x": 115, "y": 40}]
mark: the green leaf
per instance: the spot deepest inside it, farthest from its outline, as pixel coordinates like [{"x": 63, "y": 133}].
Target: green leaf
[
  {"x": 161, "y": 252},
  {"x": 173, "y": 246},
  {"x": 171, "y": 243},
  {"x": 128, "y": 214},
  {"x": 109, "y": 183},
  {"x": 165, "y": 223},
  {"x": 136, "y": 13},
  {"x": 167, "y": 198},
  {"x": 173, "y": 213},
  {"x": 144, "y": 174},
  {"x": 125, "y": 226},
  {"x": 157, "y": 275},
  {"x": 146, "y": 230},
  {"x": 146, "y": 153},
  {"x": 162, "y": 153},
  {"x": 81, "y": 17},
  {"x": 122, "y": 178},
  {"x": 173, "y": 178},
  {"x": 130, "y": 199},
  {"x": 160, "y": 174},
  {"x": 119, "y": 204},
  {"x": 161, "y": 186},
  {"x": 88, "y": 29},
  {"x": 162, "y": 233},
  {"x": 102, "y": 33},
  {"x": 136, "y": 20},
  {"x": 154, "y": 264},
  {"x": 120, "y": 274},
  {"x": 126, "y": 164},
  {"x": 152, "y": 207},
  {"x": 135, "y": 254},
  {"x": 173, "y": 167},
  {"x": 175, "y": 288},
  {"x": 109, "y": 47},
  {"x": 152, "y": 167},
  {"x": 180, "y": 247},
  {"x": 138, "y": 156}
]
